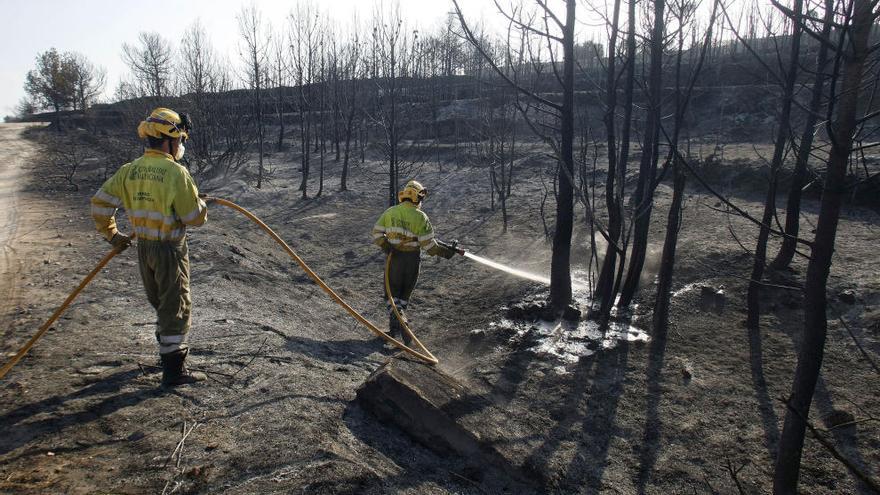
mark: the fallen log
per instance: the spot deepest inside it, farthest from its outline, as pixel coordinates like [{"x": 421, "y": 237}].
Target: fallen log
[{"x": 443, "y": 414}]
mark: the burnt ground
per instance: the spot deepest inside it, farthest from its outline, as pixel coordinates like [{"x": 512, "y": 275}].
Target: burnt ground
[{"x": 83, "y": 412}]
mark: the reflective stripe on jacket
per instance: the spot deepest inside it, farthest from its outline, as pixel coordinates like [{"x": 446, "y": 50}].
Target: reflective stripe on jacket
[
  {"x": 405, "y": 227},
  {"x": 158, "y": 194}
]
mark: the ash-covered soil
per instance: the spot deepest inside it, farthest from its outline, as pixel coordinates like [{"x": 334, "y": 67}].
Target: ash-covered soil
[{"x": 697, "y": 413}]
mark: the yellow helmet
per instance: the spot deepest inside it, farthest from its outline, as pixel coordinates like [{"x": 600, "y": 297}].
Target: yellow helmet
[
  {"x": 413, "y": 191},
  {"x": 164, "y": 122}
]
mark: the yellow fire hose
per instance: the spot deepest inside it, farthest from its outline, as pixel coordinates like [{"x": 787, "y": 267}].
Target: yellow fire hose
[
  {"x": 43, "y": 329},
  {"x": 424, "y": 355}
]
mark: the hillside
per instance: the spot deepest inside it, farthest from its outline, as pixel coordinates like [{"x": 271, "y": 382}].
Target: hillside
[{"x": 612, "y": 413}]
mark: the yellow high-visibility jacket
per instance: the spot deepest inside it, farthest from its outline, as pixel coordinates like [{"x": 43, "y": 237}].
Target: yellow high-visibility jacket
[
  {"x": 406, "y": 228},
  {"x": 158, "y": 194}
]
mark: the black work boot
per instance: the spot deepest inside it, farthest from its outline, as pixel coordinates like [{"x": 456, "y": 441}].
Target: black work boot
[
  {"x": 393, "y": 331},
  {"x": 174, "y": 370},
  {"x": 393, "y": 326},
  {"x": 396, "y": 327},
  {"x": 404, "y": 321}
]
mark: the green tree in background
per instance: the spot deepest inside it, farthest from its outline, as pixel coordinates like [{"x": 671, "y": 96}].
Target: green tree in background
[{"x": 52, "y": 83}]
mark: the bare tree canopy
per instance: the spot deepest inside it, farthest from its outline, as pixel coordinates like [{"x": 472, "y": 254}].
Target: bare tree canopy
[
  {"x": 254, "y": 53},
  {"x": 150, "y": 61}
]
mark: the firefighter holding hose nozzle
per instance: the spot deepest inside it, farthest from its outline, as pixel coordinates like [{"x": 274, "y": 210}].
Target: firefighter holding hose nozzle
[
  {"x": 161, "y": 200},
  {"x": 403, "y": 231}
]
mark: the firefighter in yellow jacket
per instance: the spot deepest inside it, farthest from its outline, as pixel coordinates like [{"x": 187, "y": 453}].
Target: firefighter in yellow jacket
[
  {"x": 161, "y": 200},
  {"x": 403, "y": 231}
]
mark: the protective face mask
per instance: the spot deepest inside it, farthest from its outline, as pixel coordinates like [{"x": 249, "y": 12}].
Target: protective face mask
[{"x": 181, "y": 149}]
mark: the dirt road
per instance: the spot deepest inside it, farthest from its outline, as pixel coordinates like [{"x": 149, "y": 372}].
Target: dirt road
[{"x": 17, "y": 152}]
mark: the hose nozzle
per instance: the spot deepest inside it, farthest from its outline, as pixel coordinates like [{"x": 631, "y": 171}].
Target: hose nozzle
[{"x": 454, "y": 246}]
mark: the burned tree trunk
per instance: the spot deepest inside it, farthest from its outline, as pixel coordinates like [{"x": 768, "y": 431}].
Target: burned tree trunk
[
  {"x": 250, "y": 23},
  {"x": 507, "y": 174},
  {"x": 560, "y": 265},
  {"x": 760, "y": 259},
  {"x": 260, "y": 133},
  {"x": 279, "y": 48},
  {"x": 280, "y": 145},
  {"x": 305, "y": 137},
  {"x": 793, "y": 204},
  {"x": 349, "y": 103},
  {"x": 605, "y": 282},
  {"x": 673, "y": 225},
  {"x": 302, "y": 51},
  {"x": 628, "y": 92},
  {"x": 322, "y": 127},
  {"x": 667, "y": 259},
  {"x": 343, "y": 182},
  {"x": 644, "y": 194},
  {"x": 562, "y": 140},
  {"x": 854, "y": 51}
]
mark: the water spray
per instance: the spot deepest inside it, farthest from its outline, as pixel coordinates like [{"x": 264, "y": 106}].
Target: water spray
[
  {"x": 504, "y": 268},
  {"x": 534, "y": 277}
]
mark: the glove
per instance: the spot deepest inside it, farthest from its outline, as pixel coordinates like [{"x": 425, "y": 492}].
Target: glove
[
  {"x": 446, "y": 250},
  {"x": 120, "y": 241},
  {"x": 207, "y": 199},
  {"x": 386, "y": 246}
]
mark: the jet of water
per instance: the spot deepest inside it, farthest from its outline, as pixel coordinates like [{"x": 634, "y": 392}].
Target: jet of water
[{"x": 513, "y": 271}]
